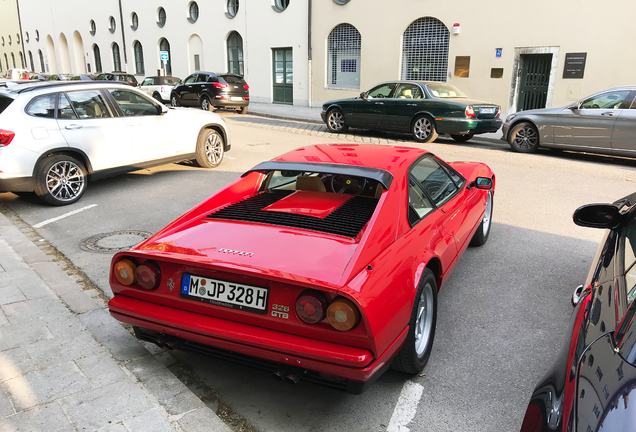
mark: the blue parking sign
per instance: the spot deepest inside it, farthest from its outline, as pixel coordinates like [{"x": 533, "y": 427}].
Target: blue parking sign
[
  {"x": 498, "y": 52},
  {"x": 164, "y": 55}
]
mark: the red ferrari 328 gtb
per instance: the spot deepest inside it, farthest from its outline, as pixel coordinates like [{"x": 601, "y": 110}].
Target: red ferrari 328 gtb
[{"x": 321, "y": 265}]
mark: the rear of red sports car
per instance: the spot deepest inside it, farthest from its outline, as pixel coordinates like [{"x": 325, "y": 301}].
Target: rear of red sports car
[{"x": 290, "y": 269}]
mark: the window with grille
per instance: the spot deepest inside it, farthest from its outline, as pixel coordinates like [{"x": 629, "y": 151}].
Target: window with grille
[
  {"x": 343, "y": 57},
  {"x": 425, "y": 50},
  {"x": 31, "y": 61},
  {"x": 139, "y": 58},
  {"x": 116, "y": 57},
  {"x": 96, "y": 54},
  {"x": 235, "y": 54},
  {"x": 41, "y": 61},
  {"x": 232, "y": 8}
]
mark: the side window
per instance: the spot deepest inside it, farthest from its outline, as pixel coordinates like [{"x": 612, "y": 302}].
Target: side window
[
  {"x": 213, "y": 78},
  {"x": 89, "y": 104},
  {"x": 148, "y": 82},
  {"x": 42, "y": 106},
  {"x": 381, "y": 91},
  {"x": 133, "y": 104},
  {"x": 608, "y": 100},
  {"x": 408, "y": 91},
  {"x": 418, "y": 202},
  {"x": 434, "y": 180},
  {"x": 202, "y": 78},
  {"x": 630, "y": 260},
  {"x": 64, "y": 108},
  {"x": 190, "y": 79}
]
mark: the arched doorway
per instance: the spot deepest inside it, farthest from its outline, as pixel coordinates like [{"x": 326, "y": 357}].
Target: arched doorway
[
  {"x": 235, "y": 54},
  {"x": 166, "y": 65},
  {"x": 51, "y": 58},
  {"x": 195, "y": 53},
  {"x": 425, "y": 50},
  {"x": 78, "y": 53},
  {"x": 65, "y": 59},
  {"x": 98, "y": 58}
]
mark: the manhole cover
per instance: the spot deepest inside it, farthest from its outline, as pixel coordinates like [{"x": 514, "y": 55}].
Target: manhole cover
[{"x": 114, "y": 241}]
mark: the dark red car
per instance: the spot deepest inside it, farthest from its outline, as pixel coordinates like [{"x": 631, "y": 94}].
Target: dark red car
[{"x": 322, "y": 265}]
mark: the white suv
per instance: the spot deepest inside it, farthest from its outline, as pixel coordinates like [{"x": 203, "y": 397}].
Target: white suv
[{"x": 54, "y": 136}]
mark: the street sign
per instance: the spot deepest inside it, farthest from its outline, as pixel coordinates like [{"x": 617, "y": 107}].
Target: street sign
[
  {"x": 498, "y": 52},
  {"x": 164, "y": 55}
]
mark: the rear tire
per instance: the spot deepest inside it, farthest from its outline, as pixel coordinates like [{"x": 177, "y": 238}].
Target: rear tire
[
  {"x": 418, "y": 345},
  {"x": 524, "y": 138},
  {"x": 242, "y": 110},
  {"x": 174, "y": 100},
  {"x": 423, "y": 129},
  {"x": 210, "y": 149},
  {"x": 205, "y": 104},
  {"x": 481, "y": 235},
  {"x": 462, "y": 138},
  {"x": 157, "y": 97},
  {"x": 60, "y": 180},
  {"x": 335, "y": 121}
]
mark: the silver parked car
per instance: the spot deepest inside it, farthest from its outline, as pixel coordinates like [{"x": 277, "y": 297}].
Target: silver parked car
[
  {"x": 602, "y": 123},
  {"x": 54, "y": 136}
]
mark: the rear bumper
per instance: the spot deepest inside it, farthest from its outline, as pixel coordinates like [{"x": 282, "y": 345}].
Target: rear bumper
[
  {"x": 350, "y": 363},
  {"x": 465, "y": 126},
  {"x": 224, "y": 103}
]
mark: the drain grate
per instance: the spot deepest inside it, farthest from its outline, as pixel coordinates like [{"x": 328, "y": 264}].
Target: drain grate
[{"x": 115, "y": 241}]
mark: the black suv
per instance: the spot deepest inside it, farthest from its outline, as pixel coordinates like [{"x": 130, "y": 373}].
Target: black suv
[
  {"x": 209, "y": 90},
  {"x": 122, "y": 77}
]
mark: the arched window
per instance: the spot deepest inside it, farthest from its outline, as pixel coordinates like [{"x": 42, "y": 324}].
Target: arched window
[
  {"x": 193, "y": 12},
  {"x": 232, "y": 8},
  {"x": 22, "y": 60},
  {"x": 164, "y": 45},
  {"x": 98, "y": 58},
  {"x": 41, "y": 61},
  {"x": 116, "y": 57},
  {"x": 139, "y": 58},
  {"x": 425, "y": 50},
  {"x": 6, "y": 60},
  {"x": 235, "y": 53},
  {"x": 13, "y": 59},
  {"x": 343, "y": 57},
  {"x": 31, "y": 61},
  {"x": 161, "y": 17}
]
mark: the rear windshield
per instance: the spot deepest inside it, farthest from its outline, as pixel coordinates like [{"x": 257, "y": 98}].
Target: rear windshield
[
  {"x": 4, "y": 102},
  {"x": 233, "y": 79},
  {"x": 442, "y": 90},
  {"x": 169, "y": 80}
]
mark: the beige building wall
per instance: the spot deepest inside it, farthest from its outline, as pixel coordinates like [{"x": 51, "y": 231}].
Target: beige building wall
[
  {"x": 10, "y": 37},
  {"x": 559, "y": 27}
]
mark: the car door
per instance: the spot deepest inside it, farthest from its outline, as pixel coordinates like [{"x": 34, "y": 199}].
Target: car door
[
  {"x": 88, "y": 124},
  {"x": 592, "y": 123},
  {"x": 199, "y": 87},
  {"x": 146, "y": 86},
  {"x": 625, "y": 127},
  {"x": 152, "y": 135},
  {"x": 368, "y": 111},
  {"x": 186, "y": 92},
  {"x": 399, "y": 109}
]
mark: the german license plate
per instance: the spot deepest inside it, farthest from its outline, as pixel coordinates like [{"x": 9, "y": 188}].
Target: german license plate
[
  {"x": 223, "y": 293},
  {"x": 236, "y": 98},
  {"x": 486, "y": 110}
]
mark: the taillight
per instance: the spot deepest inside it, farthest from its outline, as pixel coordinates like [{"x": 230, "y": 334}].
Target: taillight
[
  {"x": 148, "y": 276},
  {"x": 125, "y": 272},
  {"x": 219, "y": 85},
  {"x": 470, "y": 112},
  {"x": 342, "y": 314},
  {"x": 246, "y": 87},
  {"x": 6, "y": 137},
  {"x": 498, "y": 112},
  {"x": 311, "y": 307}
]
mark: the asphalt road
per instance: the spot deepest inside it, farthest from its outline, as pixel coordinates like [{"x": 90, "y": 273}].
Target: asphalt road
[{"x": 501, "y": 314}]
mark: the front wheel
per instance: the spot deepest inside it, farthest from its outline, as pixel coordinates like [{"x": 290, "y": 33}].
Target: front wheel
[
  {"x": 423, "y": 130},
  {"x": 210, "y": 149},
  {"x": 174, "y": 100},
  {"x": 481, "y": 235},
  {"x": 60, "y": 180},
  {"x": 524, "y": 138},
  {"x": 418, "y": 344},
  {"x": 462, "y": 138},
  {"x": 335, "y": 121}
]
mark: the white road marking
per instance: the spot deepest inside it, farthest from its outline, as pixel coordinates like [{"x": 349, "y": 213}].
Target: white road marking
[
  {"x": 406, "y": 407},
  {"x": 55, "y": 219}
]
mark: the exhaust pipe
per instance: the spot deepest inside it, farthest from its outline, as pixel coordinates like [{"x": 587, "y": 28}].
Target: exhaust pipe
[
  {"x": 280, "y": 374},
  {"x": 166, "y": 341},
  {"x": 294, "y": 376}
]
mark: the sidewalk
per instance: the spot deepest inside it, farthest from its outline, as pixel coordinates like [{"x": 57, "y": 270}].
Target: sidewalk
[
  {"x": 312, "y": 115},
  {"x": 67, "y": 365}
]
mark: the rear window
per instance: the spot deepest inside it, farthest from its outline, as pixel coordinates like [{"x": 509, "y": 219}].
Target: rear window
[
  {"x": 127, "y": 78},
  {"x": 4, "y": 103},
  {"x": 233, "y": 79},
  {"x": 169, "y": 80}
]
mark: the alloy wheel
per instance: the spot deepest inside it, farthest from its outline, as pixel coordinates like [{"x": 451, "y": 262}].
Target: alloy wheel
[
  {"x": 424, "y": 320},
  {"x": 526, "y": 138},
  {"x": 174, "y": 101},
  {"x": 336, "y": 121},
  {"x": 214, "y": 148},
  {"x": 205, "y": 104},
  {"x": 65, "y": 181},
  {"x": 422, "y": 128},
  {"x": 487, "y": 215}
]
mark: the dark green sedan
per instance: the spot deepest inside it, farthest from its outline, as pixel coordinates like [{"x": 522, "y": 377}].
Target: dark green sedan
[{"x": 425, "y": 109}]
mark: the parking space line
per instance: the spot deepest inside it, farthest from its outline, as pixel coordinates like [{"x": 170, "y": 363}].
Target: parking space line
[
  {"x": 406, "y": 407},
  {"x": 55, "y": 219}
]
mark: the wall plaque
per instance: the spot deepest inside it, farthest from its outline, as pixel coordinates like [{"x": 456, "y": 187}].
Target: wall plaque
[{"x": 574, "y": 66}]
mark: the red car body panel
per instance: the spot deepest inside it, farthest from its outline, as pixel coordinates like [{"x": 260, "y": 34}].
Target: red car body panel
[{"x": 378, "y": 270}]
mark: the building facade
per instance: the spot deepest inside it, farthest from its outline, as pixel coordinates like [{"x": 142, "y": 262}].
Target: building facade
[
  {"x": 306, "y": 52},
  {"x": 11, "y": 53}
]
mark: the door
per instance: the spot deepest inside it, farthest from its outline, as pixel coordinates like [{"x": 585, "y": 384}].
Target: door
[
  {"x": 187, "y": 92},
  {"x": 369, "y": 112},
  {"x": 591, "y": 125},
  {"x": 89, "y": 125},
  {"x": 402, "y": 106},
  {"x": 283, "y": 75},
  {"x": 535, "y": 78},
  {"x": 625, "y": 127}
]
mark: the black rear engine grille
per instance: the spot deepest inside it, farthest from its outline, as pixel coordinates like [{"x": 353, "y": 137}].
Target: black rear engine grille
[{"x": 348, "y": 220}]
